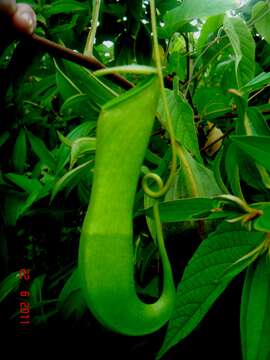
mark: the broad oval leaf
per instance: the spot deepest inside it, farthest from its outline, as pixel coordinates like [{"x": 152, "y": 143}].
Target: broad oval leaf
[
  {"x": 183, "y": 122},
  {"x": 258, "y": 147},
  {"x": 204, "y": 281},
  {"x": 261, "y": 19},
  {"x": 211, "y": 25},
  {"x": 243, "y": 46},
  {"x": 255, "y": 311},
  {"x": 190, "y": 9},
  {"x": 263, "y": 221}
]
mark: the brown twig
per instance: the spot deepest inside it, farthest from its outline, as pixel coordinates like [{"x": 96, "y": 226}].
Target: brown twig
[
  {"x": 68, "y": 54},
  {"x": 217, "y": 140}
]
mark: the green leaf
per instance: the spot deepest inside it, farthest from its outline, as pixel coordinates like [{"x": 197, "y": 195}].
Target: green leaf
[
  {"x": 63, "y": 153},
  {"x": 257, "y": 122},
  {"x": 71, "y": 302},
  {"x": 36, "y": 291},
  {"x": 190, "y": 9},
  {"x": 98, "y": 92},
  {"x": 193, "y": 179},
  {"x": 143, "y": 46},
  {"x": 65, "y": 6},
  {"x": 79, "y": 105},
  {"x": 32, "y": 198},
  {"x": 243, "y": 46},
  {"x": 28, "y": 185},
  {"x": 233, "y": 171},
  {"x": 183, "y": 122},
  {"x": 203, "y": 280},
  {"x": 183, "y": 209},
  {"x": 20, "y": 152},
  {"x": 178, "y": 64},
  {"x": 257, "y": 82},
  {"x": 148, "y": 203},
  {"x": 263, "y": 221},
  {"x": 251, "y": 123},
  {"x": 258, "y": 147},
  {"x": 71, "y": 178},
  {"x": 66, "y": 87},
  {"x": 261, "y": 19},
  {"x": 151, "y": 157},
  {"x": 81, "y": 147},
  {"x": 255, "y": 311},
  {"x": 13, "y": 201},
  {"x": 211, "y": 102},
  {"x": 41, "y": 151},
  {"x": 218, "y": 173},
  {"x": 65, "y": 27},
  {"x": 124, "y": 49},
  {"x": 211, "y": 25},
  {"x": 4, "y": 137},
  {"x": 9, "y": 284}
]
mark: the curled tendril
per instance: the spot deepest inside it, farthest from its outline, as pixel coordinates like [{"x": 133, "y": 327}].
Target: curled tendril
[
  {"x": 152, "y": 176},
  {"x": 157, "y": 179},
  {"x": 159, "y": 182}
]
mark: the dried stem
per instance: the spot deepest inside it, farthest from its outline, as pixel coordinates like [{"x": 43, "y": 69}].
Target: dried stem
[{"x": 88, "y": 62}]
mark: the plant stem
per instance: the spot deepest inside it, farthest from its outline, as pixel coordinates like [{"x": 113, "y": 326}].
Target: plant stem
[
  {"x": 162, "y": 188},
  {"x": 88, "y": 62},
  {"x": 88, "y": 50}
]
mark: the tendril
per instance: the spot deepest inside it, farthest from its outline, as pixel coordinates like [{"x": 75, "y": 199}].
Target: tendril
[{"x": 163, "y": 188}]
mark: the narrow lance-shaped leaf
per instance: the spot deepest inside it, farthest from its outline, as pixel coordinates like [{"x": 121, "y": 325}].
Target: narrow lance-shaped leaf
[
  {"x": 63, "y": 153},
  {"x": 71, "y": 178},
  {"x": 65, "y": 6},
  {"x": 9, "y": 284},
  {"x": 41, "y": 151},
  {"x": 80, "y": 147},
  {"x": 20, "y": 152},
  {"x": 4, "y": 137},
  {"x": 23, "y": 182},
  {"x": 257, "y": 82},
  {"x": 71, "y": 301},
  {"x": 183, "y": 209}
]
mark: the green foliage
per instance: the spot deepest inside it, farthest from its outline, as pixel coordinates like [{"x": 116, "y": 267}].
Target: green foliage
[
  {"x": 203, "y": 280},
  {"x": 255, "y": 311},
  {"x": 261, "y": 17}
]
